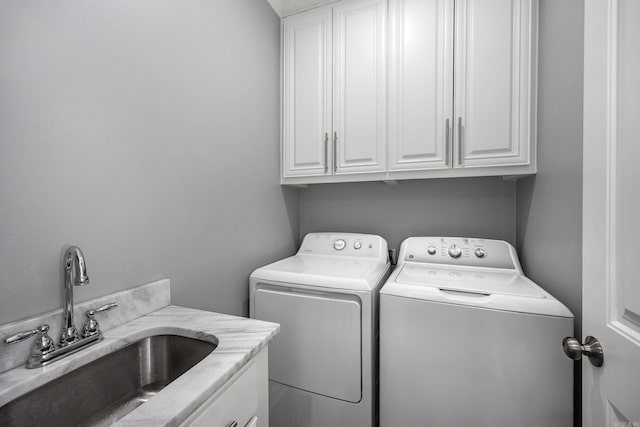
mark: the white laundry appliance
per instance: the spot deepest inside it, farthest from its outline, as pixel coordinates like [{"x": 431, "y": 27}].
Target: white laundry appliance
[
  {"x": 323, "y": 363},
  {"x": 467, "y": 340}
]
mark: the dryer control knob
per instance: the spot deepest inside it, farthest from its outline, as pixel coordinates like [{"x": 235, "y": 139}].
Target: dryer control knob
[
  {"x": 339, "y": 245},
  {"x": 455, "y": 251},
  {"x": 357, "y": 245},
  {"x": 431, "y": 250},
  {"x": 480, "y": 252}
]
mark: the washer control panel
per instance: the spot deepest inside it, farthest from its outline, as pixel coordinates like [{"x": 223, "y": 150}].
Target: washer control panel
[
  {"x": 345, "y": 244},
  {"x": 459, "y": 251}
]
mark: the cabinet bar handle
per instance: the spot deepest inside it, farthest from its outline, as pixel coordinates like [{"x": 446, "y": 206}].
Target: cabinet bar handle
[
  {"x": 446, "y": 142},
  {"x": 459, "y": 140},
  {"x": 326, "y": 152},
  {"x": 335, "y": 151}
]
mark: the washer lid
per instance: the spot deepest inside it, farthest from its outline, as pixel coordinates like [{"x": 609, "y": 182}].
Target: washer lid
[
  {"x": 471, "y": 280},
  {"x": 325, "y": 271}
]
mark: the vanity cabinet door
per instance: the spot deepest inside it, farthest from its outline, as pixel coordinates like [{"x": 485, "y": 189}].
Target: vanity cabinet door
[
  {"x": 420, "y": 84},
  {"x": 494, "y": 82},
  {"x": 306, "y": 122},
  {"x": 359, "y": 93},
  {"x": 243, "y": 400}
]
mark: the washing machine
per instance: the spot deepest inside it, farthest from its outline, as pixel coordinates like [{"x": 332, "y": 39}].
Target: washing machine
[
  {"x": 467, "y": 340},
  {"x": 323, "y": 363}
]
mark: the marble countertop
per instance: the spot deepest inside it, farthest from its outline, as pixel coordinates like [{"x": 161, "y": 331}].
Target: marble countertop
[{"x": 239, "y": 340}]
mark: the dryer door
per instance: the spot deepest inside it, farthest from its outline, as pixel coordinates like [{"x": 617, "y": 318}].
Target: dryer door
[{"x": 318, "y": 348}]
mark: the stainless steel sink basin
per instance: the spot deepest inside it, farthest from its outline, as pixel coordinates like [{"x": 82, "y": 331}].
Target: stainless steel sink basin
[{"x": 108, "y": 388}]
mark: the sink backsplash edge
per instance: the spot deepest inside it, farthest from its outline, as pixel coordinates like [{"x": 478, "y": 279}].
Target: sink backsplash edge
[{"x": 132, "y": 303}]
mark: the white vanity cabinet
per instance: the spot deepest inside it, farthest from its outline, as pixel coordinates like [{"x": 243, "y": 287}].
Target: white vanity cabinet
[
  {"x": 334, "y": 92},
  {"x": 242, "y": 402},
  {"x": 462, "y": 92}
]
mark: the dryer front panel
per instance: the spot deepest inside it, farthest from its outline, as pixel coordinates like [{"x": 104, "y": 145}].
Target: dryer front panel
[{"x": 318, "y": 348}]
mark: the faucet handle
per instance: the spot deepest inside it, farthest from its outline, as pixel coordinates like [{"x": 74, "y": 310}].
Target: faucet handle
[
  {"x": 102, "y": 308},
  {"x": 44, "y": 343},
  {"x": 92, "y": 328}
]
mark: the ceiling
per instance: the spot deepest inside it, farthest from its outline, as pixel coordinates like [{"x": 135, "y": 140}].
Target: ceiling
[{"x": 289, "y": 7}]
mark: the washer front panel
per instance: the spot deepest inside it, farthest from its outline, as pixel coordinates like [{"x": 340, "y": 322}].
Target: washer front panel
[{"x": 451, "y": 365}]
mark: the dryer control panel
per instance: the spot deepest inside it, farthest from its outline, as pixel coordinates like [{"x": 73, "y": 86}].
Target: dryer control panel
[
  {"x": 460, "y": 251},
  {"x": 344, "y": 244}
]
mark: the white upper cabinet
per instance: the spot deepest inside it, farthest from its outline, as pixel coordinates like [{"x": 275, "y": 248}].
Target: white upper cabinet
[
  {"x": 462, "y": 87},
  {"x": 494, "y": 86},
  {"x": 307, "y": 69},
  {"x": 334, "y": 89},
  {"x": 420, "y": 84},
  {"x": 449, "y": 90},
  {"x": 359, "y": 113}
]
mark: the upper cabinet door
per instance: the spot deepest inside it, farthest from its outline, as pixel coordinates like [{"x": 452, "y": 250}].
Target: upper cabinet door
[
  {"x": 420, "y": 84},
  {"x": 359, "y": 114},
  {"x": 306, "y": 124},
  {"x": 494, "y": 82}
]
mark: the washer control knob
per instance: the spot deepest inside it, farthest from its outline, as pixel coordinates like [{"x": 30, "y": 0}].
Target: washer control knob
[
  {"x": 431, "y": 250},
  {"x": 357, "y": 245},
  {"x": 339, "y": 244},
  {"x": 480, "y": 252},
  {"x": 455, "y": 251}
]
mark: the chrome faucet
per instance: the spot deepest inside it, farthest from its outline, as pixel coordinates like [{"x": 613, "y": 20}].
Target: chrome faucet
[
  {"x": 44, "y": 351},
  {"x": 75, "y": 274}
]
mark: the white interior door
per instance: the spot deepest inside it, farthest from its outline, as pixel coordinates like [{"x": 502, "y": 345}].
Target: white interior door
[{"x": 611, "y": 206}]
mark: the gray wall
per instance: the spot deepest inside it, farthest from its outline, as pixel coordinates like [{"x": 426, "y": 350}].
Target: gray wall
[
  {"x": 479, "y": 207},
  {"x": 145, "y": 132},
  {"x": 549, "y": 205}
]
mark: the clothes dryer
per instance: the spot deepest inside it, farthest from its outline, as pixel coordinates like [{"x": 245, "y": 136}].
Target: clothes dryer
[
  {"x": 323, "y": 363},
  {"x": 467, "y": 340}
]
